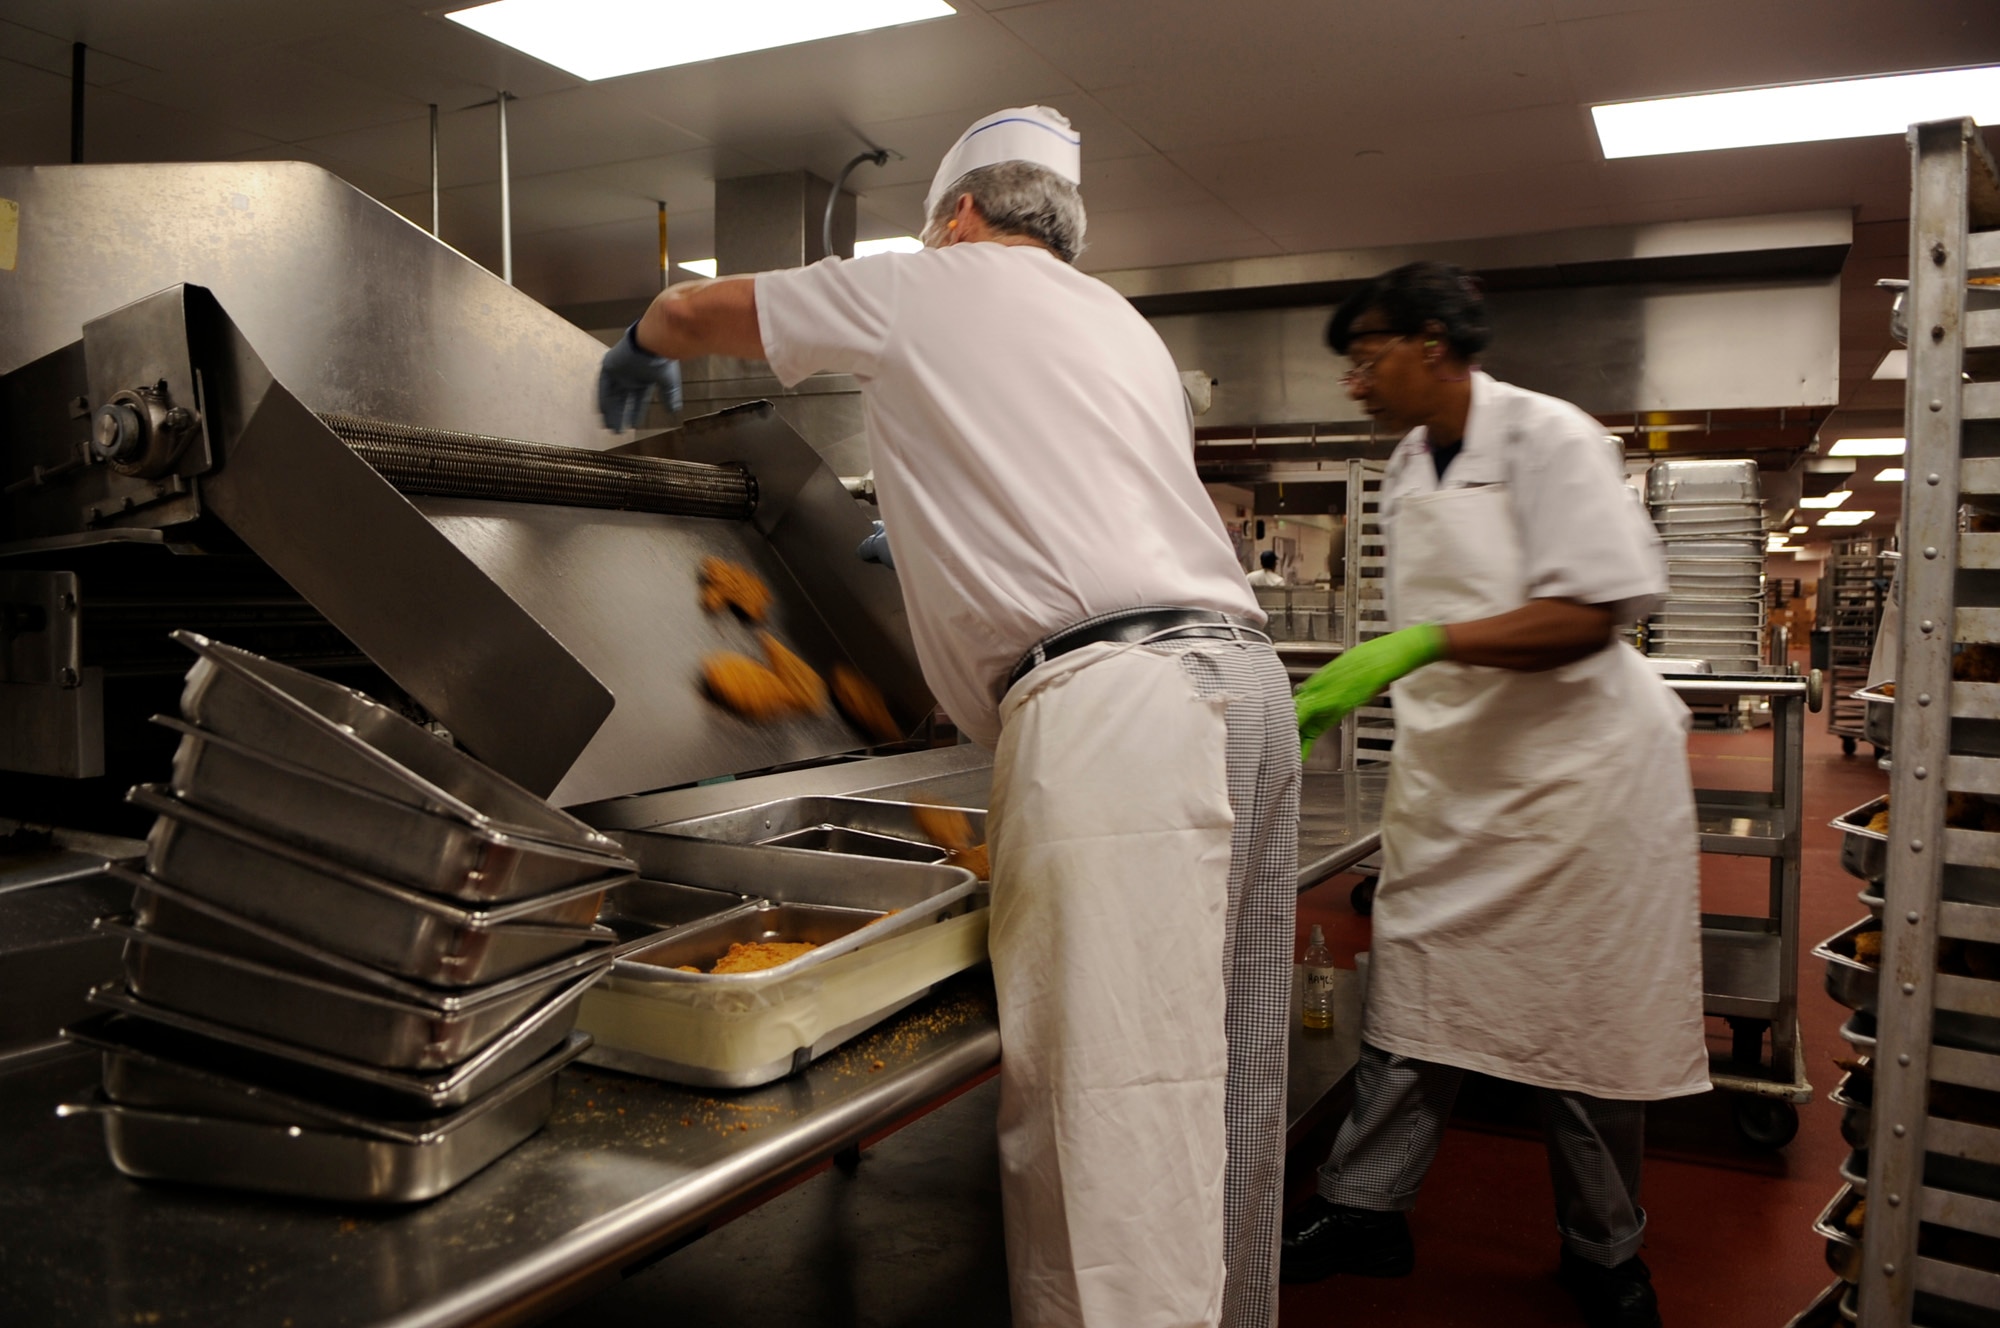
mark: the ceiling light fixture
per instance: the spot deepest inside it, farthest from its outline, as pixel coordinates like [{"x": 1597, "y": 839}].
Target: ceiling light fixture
[
  {"x": 1853, "y": 518},
  {"x": 1834, "y": 499},
  {"x": 596, "y": 39},
  {"x": 1855, "y": 447},
  {"x": 1798, "y": 530},
  {"x": 1893, "y": 475},
  {"x": 895, "y": 244},
  {"x": 701, "y": 267},
  {"x": 1797, "y": 113}
]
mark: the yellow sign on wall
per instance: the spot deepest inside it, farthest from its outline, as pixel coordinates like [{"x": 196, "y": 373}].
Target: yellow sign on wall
[{"x": 10, "y": 233}]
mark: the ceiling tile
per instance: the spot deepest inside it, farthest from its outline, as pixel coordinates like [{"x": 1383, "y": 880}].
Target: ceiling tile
[
  {"x": 34, "y": 135},
  {"x": 46, "y": 51},
  {"x": 271, "y": 94},
  {"x": 1660, "y": 52},
  {"x": 120, "y": 127},
  {"x": 1153, "y": 237}
]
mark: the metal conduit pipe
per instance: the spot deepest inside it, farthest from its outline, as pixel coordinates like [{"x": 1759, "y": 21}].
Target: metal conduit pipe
[{"x": 444, "y": 463}]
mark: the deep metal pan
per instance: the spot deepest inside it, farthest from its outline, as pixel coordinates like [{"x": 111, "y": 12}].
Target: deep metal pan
[
  {"x": 1864, "y": 852},
  {"x": 158, "y": 1068},
  {"x": 162, "y": 911},
  {"x": 352, "y": 826},
  {"x": 1848, "y": 980},
  {"x": 904, "y": 894},
  {"x": 351, "y": 913},
  {"x": 305, "y": 1161},
  {"x": 1702, "y": 482},
  {"x": 398, "y": 1091},
  {"x": 1843, "y": 1248},
  {"x": 169, "y": 917},
  {"x": 324, "y": 1017},
  {"x": 1878, "y": 724},
  {"x": 347, "y": 736},
  {"x": 865, "y": 827}
]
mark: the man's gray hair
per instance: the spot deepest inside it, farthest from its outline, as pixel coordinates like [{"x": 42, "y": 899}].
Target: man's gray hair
[{"x": 1018, "y": 198}]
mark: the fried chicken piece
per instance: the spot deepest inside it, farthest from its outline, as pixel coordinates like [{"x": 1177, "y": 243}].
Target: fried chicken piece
[
  {"x": 808, "y": 690},
  {"x": 1857, "y": 1217},
  {"x": 727, "y": 585},
  {"x": 1977, "y": 662},
  {"x": 861, "y": 702},
  {"x": 947, "y": 827},
  {"x": 1868, "y": 948},
  {"x": 743, "y": 686},
  {"x": 1879, "y": 822},
  {"x": 974, "y": 859},
  {"x": 1887, "y": 689},
  {"x": 756, "y": 956},
  {"x": 686, "y": 968}
]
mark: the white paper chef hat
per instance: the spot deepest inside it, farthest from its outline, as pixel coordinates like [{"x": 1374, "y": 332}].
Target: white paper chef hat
[{"x": 1037, "y": 134}]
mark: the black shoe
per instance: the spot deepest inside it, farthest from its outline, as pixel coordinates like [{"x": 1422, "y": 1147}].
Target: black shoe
[
  {"x": 1620, "y": 1297},
  {"x": 1323, "y": 1238}
]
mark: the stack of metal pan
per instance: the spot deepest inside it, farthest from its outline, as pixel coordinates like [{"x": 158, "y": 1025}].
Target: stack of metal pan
[
  {"x": 1711, "y": 516},
  {"x": 355, "y": 956}
]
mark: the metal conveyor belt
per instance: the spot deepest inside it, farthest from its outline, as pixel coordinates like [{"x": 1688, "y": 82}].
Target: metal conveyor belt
[{"x": 446, "y": 464}]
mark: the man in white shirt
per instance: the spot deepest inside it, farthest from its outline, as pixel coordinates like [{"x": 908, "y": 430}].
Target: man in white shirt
[
  {"x": 1267, "y": 575},
  {"x": 1077, "y": 605}
]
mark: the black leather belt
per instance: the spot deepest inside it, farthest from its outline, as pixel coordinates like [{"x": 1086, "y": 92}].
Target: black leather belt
[{"x": 1137, "y": 625}]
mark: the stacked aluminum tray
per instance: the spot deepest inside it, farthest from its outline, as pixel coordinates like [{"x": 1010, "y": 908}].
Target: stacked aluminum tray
[
  {"x": 354, "y": 957},
  {"x": 1711, "y": 516}
]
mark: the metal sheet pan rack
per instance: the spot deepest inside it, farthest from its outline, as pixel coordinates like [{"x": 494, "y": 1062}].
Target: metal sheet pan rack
[
  {"x": 1750, "y": 962},
  {"x": 1927, "y": 1251},
  {"x": 1857, "y": 576},
  {"x": 1367, "y": 735}
]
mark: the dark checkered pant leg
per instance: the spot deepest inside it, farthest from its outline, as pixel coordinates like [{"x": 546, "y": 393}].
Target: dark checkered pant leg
[
  {"x": 1400, "y": 1109},
  {"x": 1257, "y": 955}
]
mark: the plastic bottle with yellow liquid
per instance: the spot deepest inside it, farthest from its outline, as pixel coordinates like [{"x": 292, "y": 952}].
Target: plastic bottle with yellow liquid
[{"x": 1317, "y": 1009}]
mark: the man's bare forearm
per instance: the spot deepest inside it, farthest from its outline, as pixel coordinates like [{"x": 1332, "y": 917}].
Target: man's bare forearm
[
  {"x": 1541, "y": 634},
  {"x": 703, "y": 318}
]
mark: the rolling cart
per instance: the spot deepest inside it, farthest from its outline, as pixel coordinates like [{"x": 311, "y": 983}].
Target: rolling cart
[
  {"x": 1857, "y": 576},
  {"x": 1750, "y": 963}
]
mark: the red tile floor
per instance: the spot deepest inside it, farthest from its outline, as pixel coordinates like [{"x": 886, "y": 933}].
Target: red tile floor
[{"x": 1729, "y": 1237}]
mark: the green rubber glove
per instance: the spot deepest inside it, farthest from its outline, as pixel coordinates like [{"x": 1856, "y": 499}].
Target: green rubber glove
[{"x": 1360, "y": 675}]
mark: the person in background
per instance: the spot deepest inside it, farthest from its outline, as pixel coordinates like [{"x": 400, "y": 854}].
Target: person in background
[
  {"x": 1267, "y": 575},
  {"x": 1144, "y": 815},
  {"x": 1538, "y": 913}
]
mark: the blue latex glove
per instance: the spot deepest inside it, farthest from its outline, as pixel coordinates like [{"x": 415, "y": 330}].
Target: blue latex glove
[
  {"x": 875, "y": 549},
  {"x": 628, "y": 376}
]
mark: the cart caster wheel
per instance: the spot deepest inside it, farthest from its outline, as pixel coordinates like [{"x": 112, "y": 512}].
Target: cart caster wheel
[
  {"x": 1362, "y": 897},
  {"x": 1766, "y": 1122},
  {"x": 1878, "y": 750},
  {"x": 1847, "y": 746}
]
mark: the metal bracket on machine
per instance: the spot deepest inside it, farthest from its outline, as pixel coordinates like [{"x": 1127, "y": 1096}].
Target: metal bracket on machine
[{"x": 51, "y": 707}]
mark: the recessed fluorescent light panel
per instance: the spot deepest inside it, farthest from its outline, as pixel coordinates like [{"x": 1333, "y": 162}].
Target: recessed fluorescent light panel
[
  {"x": 895, "y": 244},
  {"x": 701, "y": 267},
  {"x": 1798, "y": 530},
  {"x": 596, "y": 39},
  {"x": 1868, "y": 447},
  {"x": 1845, "y": 518},
  {"x": 1834, "y": 499},
  {"x": 1799, "y": 113},
  {"x": 1893, "y": 475}
]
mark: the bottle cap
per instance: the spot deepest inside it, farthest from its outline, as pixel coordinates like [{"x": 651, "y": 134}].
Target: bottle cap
[{"x": 1317, "y": 938}]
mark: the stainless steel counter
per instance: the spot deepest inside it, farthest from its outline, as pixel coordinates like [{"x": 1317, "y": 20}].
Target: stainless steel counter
[{"x": 627, "y": 1169}]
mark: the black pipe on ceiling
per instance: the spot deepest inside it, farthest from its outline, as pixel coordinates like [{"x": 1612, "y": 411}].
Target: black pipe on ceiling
[{"x": 77, "y": 51}]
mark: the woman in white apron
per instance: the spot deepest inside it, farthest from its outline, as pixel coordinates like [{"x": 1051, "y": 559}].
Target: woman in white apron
[{"x": 1538, "y": 915}]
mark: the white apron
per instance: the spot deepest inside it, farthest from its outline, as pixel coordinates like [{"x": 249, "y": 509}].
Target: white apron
[
  {"x": 1538, "y": 917},
  {"x": 1110, "y": 826}
]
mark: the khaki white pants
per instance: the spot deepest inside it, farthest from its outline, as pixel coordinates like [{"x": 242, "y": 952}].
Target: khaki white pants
[{"x": 1144, "y": 832}]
